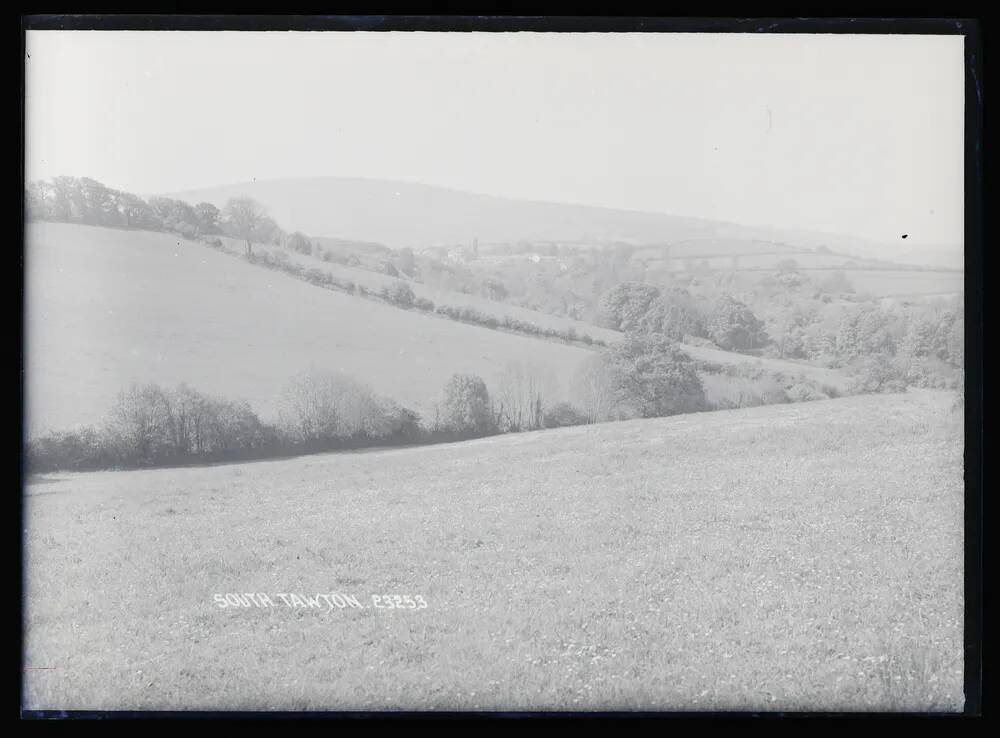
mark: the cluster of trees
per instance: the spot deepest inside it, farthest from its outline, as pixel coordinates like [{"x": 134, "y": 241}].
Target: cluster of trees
[
  {"x": 326, "y": 409},
  {"x": 86, "y": 201},
  {"x": 636, "y": 307},
  {"x": 150, "y": 425},
  {"x": 644, "y": 376},
  {"x": 885, "y": 347}
]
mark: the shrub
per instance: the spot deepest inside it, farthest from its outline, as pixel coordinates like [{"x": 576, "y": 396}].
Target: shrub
[
  {"x": 803, "y": 392},
  {"x": 318, "y": 276},
  {"x": 422, "y": 303},
  {"x": 400, "y": 293},
  {"x": 563, "y": 414},
  {"x": 299, "y": 243},
  {"x": 876, "y": 374},
  {"x": 85, "y": 449}
]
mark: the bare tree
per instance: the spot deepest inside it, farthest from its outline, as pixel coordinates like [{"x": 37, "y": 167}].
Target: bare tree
[
  {"x": 523, "y": 390},
  {"x": 246, "y": 216},
  {"x": 138, "y": 422},
  {"x": 322, "y": 405},
  {"x": 594, "y": 388}
]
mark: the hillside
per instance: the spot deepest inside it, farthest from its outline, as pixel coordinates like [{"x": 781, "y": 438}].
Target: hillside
[
  {"x": 107, "y": 307},
  {"x": 789, "y": 557},
  {"x": 375, "y": 281},
  {"x": 400, "y": 214}
]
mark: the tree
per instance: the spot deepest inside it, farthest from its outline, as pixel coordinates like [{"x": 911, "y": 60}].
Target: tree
[
  {"x": 298, "y": 242},
  {"x": 625, "y": 305},
  {"x": 208, "y": 217},
  {"x": 138, "y": 423},
  {"x": 733, "y": 326},
  {"x": 98, "y": 202},
  {"x": 594, "y": 388},
  {"x": 493, "y": 289},
  {"x": 864, "y": 332},
  {"x": 326, "y": 406},
  {"x": 522, "y": 390},
  {"x": 405, "y": 261},
  {"x": 654, "y": 377},
  {"x": 245, "y": 216},
  {"x": 673, "y": 314},
  {"x": 875, "y": 373},
  {"x": 134, "y": 212},
  {"x": 466, "y": 405}
]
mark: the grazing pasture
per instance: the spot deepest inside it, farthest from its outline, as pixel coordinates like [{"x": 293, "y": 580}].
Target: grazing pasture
[
  {"x": 107, "y": 307},
  {"x": 789, "y": 557}
]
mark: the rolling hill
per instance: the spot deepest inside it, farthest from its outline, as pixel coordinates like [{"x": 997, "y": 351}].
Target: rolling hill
[
  {"x": 107, "y": 307},
  {"x": 796, "y": 557},
  {"x": 401, "y": 214}
]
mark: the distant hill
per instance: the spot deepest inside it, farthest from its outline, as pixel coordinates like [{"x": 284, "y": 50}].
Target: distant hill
[{"x": 400, "y": 214}]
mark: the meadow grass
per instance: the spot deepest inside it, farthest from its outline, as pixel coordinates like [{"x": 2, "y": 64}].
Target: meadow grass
[
  {"x": 788, "y": 557},
  {"x": 105, "y": 308}
]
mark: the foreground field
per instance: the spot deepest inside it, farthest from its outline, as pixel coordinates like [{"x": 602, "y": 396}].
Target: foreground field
[{"x": 789, "y": 557}]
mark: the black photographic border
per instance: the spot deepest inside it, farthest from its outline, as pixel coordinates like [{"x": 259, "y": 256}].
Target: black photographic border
[{"x": 975, "y": 183}]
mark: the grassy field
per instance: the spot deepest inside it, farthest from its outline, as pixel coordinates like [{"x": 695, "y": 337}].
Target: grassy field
[
  {"x": 781, "y": 558},
  {"x": 375, "y": 281},
  {"x": 108, "y": 307}
]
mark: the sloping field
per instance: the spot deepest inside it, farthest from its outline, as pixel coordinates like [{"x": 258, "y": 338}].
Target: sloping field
[
  {"x": 789, "y": 557},
  {"x": 107, "y": 307},
  {"x": 375, "y": 281}
]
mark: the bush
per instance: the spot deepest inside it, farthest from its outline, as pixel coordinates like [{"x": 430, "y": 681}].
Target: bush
[
  {"x": 85, "y": 449},
  {"x": 399, "y": 293},
  {"x": 563, "y": 414},
  {"x": 876, "y": 374},
  {"x": 299, "y": 243},
  {"x": 803, "y": 392}
]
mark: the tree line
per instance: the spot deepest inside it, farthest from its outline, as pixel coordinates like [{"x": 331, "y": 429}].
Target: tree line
[
  {"x": 88, "y": 202},
  {"x": 645, "y": 376},
  {"x": 884, "y": 348}
]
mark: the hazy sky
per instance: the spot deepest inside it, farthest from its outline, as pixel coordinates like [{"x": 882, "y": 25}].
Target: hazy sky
[{"x": 851, "y": 134}]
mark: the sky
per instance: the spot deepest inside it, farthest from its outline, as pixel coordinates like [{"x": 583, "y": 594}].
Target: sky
[{"x": 852, "y": 134}]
